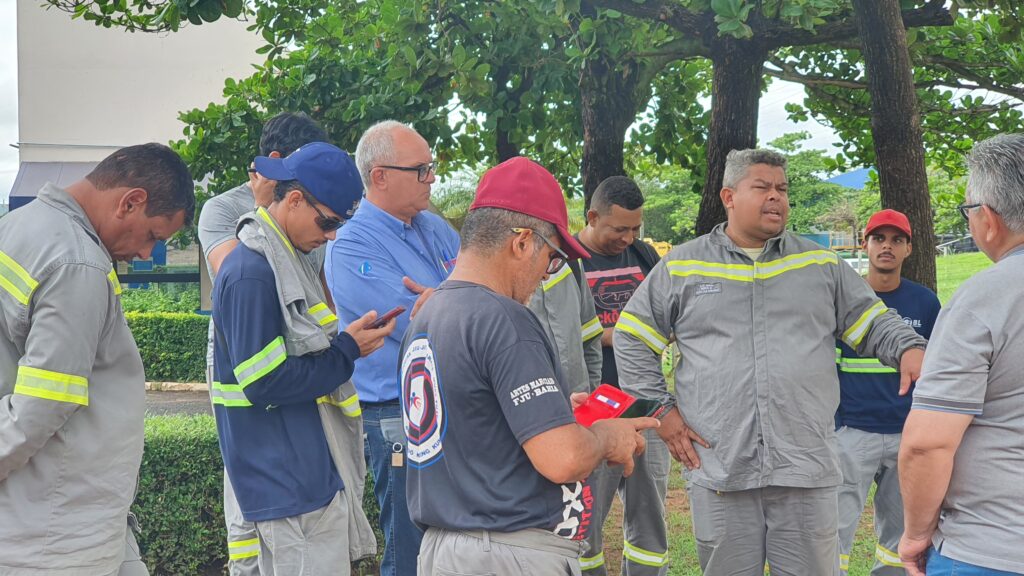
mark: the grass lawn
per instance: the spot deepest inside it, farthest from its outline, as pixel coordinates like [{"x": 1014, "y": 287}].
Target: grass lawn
[{"x": 951, "y": 271}]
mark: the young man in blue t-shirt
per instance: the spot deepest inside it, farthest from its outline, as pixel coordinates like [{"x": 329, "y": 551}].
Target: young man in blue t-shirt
[{"x": 871, "y": 412}]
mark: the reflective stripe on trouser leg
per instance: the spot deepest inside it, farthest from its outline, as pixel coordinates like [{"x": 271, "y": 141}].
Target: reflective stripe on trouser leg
[
  {"x": 240, "y": 562},
  {"x": 645, "y": 535},
  {"x": 604, "y": 483},
  {"x": 243, "y": 542},
  {"x": 888, "y": 510},
  {"x": 860, "y": 456},
  {"x": 243, "y": 549}
]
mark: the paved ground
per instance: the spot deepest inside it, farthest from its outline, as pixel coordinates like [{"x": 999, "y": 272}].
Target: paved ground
[{"x": 178, "y": 403}]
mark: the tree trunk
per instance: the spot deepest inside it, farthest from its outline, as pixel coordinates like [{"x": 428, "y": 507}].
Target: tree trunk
[
  {"x": 896, "y": 128},
  {"x": 735, "y": 96},
  {"x": 609, "y": 103},
  {"x": 506, "y": 148}
]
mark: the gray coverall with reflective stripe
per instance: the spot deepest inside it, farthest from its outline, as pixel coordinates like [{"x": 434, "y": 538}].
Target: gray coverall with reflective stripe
[
  {"x": 72, "y": 395},
  {"x": 757, "y": 341},
  {"x": 565, "y": 308}
]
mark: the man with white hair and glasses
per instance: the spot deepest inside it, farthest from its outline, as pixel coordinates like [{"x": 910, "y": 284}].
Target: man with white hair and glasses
[
  {"x": 962, "y": 457},
  {"x": 390, "y": 253}
]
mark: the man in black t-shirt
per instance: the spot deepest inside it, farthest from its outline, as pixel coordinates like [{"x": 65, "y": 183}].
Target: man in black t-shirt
[
  {"x": 497, "y": 462},
  {"x": 619, "y": 261}
]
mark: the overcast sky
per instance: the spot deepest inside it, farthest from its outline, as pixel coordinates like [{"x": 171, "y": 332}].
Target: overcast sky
[{"x": 773, "y": 122}]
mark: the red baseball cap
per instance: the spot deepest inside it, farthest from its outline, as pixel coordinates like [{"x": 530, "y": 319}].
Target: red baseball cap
[
  {"x": 521, "y": 185},
  {"x": 888, "y": 217}
]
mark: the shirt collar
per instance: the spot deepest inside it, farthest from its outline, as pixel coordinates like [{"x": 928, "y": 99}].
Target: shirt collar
[
  {"x": 718, "y": 236},
  {"x": 59, "y": 199},
  {"x": 376, "y": 214}
]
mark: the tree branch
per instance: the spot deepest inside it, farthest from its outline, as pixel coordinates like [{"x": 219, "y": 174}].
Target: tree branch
[
  {"x": 671, "y": 14},
  {"x": 778, "y": 34}
]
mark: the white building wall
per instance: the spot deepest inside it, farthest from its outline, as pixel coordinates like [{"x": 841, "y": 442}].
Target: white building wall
[{"x": 85, "y": 91}]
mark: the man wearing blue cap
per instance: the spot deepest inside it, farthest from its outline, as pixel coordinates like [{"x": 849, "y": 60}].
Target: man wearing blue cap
[{"x": 277, "y": 354}]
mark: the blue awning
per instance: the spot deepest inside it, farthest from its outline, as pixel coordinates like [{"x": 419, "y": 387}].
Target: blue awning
[{"x": 33, "y": 175}]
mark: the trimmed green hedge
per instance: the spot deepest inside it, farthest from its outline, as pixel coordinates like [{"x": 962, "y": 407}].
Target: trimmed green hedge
[
  {"x": 180, "y": 499},
  {"x": 172, "y": 344}
]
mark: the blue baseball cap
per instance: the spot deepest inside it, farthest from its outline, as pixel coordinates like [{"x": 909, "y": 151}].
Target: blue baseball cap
[{"x": 325, "y": 170}]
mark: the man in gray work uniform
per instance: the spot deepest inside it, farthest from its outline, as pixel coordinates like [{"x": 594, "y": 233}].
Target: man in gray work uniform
[
  {"x": 962, "y": 456},
  {"x": 281, "y": 136},
  {"x": 755, "y": 311},
  {"x": 72, "y": 384}
]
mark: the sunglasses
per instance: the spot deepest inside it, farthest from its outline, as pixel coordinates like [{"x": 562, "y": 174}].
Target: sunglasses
[
  {"x": 556, "y": 260},
  {"x": 326, "y": 223},
  {"x": 423, "y": 171}
]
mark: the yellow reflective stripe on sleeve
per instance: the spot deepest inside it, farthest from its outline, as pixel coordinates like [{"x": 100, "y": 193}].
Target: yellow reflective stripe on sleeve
[
  {"x": 592, "y": 329},
  {"x": 261, "y": 363},
  {"x": 349, "y": 406},
  {"x": 228, "y": 395},
  {"x": 864, "y": 366},
  {"x": 630, "y": 324},
  {"x": 51, "y": 385},
  {"x": 737, "y": 272},
  {"x": 839, "y": 355},
  {"x": 748, "y": 272},
  {"x": 854, "y": 334},
  {"x": 765, "y": 270},
  {"x": 887, "y": 557},
  {"x": 15, "y": 280},
  {"x": 645, "y": 557},
  {"x": 262, "y": 213},
  {"x": 558, "y": 277},
  {"x": 592, "y": 562},
  {"x": 114, "y": 282},
  {"x": 322, "y": 314},
  {"x": 243, "y": 549}
]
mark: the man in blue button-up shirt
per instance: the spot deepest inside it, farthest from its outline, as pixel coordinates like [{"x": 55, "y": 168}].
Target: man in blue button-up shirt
[{"x": 383, "y": 257}]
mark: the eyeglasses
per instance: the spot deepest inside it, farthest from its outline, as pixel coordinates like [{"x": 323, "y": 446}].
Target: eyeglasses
[
  {"x": 325, "y": 222},
  {"x": 966, "y": 208},
  {"x": 423, "y": 171},
  {"x": 556, "y": 260}
]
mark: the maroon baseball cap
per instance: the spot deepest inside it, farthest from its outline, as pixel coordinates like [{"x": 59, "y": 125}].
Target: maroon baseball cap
[
  {"x": 888, "y": 217},
  {"x": 521, "y": 185}
]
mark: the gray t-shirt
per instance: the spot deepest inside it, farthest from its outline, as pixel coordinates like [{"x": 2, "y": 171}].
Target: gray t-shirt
[
  {"x": 217, "y": 222},
  {"x": 479, "y": 378},
  {"x": 975, "y": 365}
]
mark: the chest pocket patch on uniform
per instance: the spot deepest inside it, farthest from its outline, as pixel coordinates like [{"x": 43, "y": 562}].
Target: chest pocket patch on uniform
[{"x": 708, "y": 288}]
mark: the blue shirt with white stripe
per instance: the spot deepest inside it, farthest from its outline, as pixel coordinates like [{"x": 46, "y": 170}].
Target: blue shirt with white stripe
[{"x": 869, "y": 397}]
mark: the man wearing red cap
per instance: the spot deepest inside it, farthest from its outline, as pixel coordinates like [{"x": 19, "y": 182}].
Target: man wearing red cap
[
  {"x": 871, "y": 411},
  {"x": 496, "y": 459}
]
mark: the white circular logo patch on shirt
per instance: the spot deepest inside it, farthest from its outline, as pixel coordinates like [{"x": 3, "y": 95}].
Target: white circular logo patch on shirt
[{"x": 422, "y": 404}]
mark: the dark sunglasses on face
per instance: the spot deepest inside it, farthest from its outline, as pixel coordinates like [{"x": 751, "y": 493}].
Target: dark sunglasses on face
[{"x": 326, "y": 223}]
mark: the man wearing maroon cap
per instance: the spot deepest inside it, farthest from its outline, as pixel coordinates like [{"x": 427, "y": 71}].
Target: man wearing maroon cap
[
  {"x": 871, "y": 412},
  {"x": 496, "y": 459}
]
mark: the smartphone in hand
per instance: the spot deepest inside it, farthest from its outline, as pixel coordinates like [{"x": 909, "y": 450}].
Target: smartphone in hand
[{"x": 382, "y": 320}]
